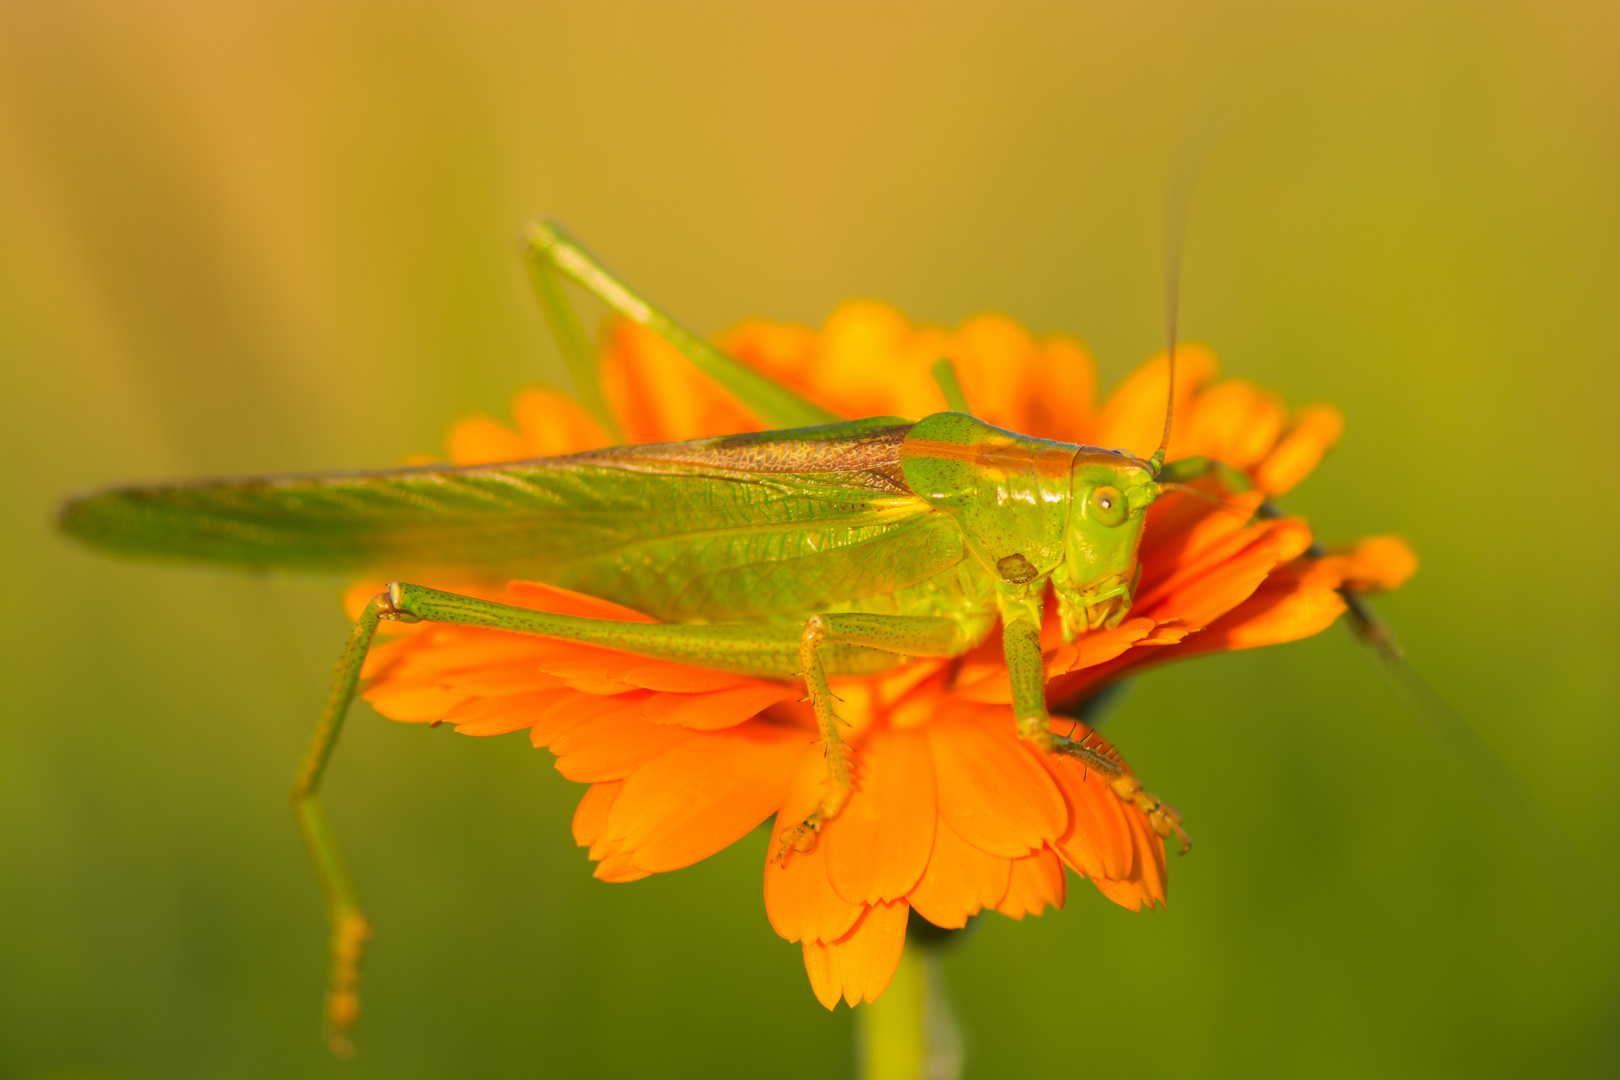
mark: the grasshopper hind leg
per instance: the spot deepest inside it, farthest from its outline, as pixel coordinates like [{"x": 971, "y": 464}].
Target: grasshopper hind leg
[
  {"x": 350, "y": 929},
  {"x": 754, "y": 648}
]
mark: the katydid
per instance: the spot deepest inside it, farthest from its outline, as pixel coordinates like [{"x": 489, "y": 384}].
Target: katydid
[{"x": 819, "y": 549}]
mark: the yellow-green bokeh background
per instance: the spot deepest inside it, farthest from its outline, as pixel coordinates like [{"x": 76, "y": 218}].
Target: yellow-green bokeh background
[{"x": 274, "y": 236}]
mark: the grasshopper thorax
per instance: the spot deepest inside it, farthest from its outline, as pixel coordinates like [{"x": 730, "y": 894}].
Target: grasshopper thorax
[{"x": 1033, "y": 510}]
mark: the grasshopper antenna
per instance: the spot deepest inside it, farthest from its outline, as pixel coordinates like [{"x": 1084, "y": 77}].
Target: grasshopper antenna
[
  {"x": 1193, "y": 151},
  {"x": 1186, "y": 489},
  {"x": 1502, "y": 785}
]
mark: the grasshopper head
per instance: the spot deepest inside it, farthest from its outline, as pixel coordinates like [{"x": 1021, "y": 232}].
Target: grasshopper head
[{"x": 1111, "y": 491}]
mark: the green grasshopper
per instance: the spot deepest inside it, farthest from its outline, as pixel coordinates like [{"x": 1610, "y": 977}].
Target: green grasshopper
[{"x": 820, "y": 549}]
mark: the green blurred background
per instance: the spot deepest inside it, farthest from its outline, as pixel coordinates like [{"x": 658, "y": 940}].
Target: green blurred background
[{"x": 275, "y": 236}]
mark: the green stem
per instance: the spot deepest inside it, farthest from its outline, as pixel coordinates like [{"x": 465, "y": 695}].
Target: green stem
[{"x": 909, "y": 1033}]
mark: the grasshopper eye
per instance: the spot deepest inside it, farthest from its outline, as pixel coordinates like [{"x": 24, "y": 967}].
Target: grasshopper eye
[{"x": 1108, "y": 505}]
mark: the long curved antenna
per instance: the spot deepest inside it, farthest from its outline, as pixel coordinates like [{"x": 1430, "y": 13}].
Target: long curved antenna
[
  {"x": 1175, "y": 229},
  {"x": 1193, "y": 150},
  {"x": 1214, "y": 500},
  {"x": 1500, "y": 783},
  {"x": 1497, "y": 780}
]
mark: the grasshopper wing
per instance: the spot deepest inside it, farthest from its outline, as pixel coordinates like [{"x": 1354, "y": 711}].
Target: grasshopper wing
[{"x": 732, "y": 527}]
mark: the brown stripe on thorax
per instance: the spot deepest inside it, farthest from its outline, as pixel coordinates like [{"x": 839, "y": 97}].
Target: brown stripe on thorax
[{"x": 1050, "y": 459}]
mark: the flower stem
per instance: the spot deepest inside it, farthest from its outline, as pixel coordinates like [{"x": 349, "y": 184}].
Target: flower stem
[{"x": 909, "y": 1032}]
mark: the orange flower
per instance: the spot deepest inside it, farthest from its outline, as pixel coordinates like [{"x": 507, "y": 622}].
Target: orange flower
[{"x": 952, "y": 813}]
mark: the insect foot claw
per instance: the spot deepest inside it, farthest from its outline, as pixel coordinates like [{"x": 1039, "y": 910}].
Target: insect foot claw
[
  {"x": 800, "y": 838},
  {"x": 1163, "y": 817},
  {"x": 1167, "y": 822}
]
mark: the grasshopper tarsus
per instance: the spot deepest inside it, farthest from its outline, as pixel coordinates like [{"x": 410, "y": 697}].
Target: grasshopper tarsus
[
  {"x": 349, "y": 937},
  {"x": 1093, "y": 753}
]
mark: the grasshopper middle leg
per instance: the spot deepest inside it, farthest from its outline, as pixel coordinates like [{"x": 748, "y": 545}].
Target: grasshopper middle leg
[{"x": 907, "y": 635}]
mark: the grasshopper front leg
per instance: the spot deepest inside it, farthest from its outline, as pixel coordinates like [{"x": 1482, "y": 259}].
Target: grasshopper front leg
[
  {"x": 1021, "y": 645},
  {"x": 1026, "y": 671},
  {"x": 1101, "y": 758},
  {"x": 1021, "y": 615}
]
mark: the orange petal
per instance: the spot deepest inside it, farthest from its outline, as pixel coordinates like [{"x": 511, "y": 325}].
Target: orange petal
[
  {"x": 717, "y": 709},
  {"x": 1036, "y": 880},
  {"x": 1150, "y": 852},
  {"x": 1377, "y": 562},
  {"x": 1099, "y": 647},
  {"x": 959, "y": 882},
  {"x": 1234, "y": 422},
  {"x": 1302, "y": 598},
  {"x": 1098, "y": 841},
  {"x": 358, "y": 595},
  {"x": 530, "y": 707},
  {"x": 1062, "y": 406},
  {"x": 870, "y": 361},
  {"x": 1133, "y": 416},
  {"x": 591, "y": 815},
  {"x": 858, "y": 966},
  {"x": 554, "y": 423},
  {"x": 478, "y": 440},
  {"x": 415, "y": 705},
  {"x": 500, "y": 715},
  {"x": 995, "y": 362},
  {"x": 616, "y": 866},
  {"x": 498, "y": 680},
  {"x": 478, "y": 664},
  {"x": 992, "y": 791},
  {"x": 799, "y": 899},
  {"x": 1316, "y": 428},
  {"x": 703, "y": 794},
  {"x": 1146, "y": 885},
  {"x": 1218, "y": 589},
  {"x": 1129, "y": 895},
  {"x": 1277, "y": 612},
  {"x": 783, "y": 352},
  {"x": 559, "y": 711},
  {"x": 825, "y": 981},
  {"x": 613, "y": 743},
  {"x": 877, "y": 847},
  {"x": 658, "y": 395},
  {"x": 1186, "y": 537}
]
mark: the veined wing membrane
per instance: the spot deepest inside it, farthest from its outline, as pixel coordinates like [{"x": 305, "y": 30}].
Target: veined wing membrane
[{"x": 713, "y": 529}]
